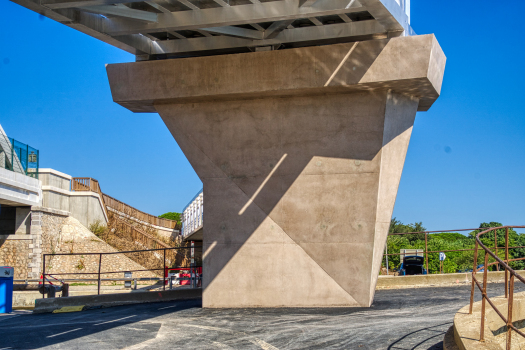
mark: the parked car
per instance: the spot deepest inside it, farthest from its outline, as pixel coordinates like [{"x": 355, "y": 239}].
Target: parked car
[{"x": 412, "y": 265}]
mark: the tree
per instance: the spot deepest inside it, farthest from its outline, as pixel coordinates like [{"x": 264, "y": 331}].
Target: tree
[{"x": 171, "y": 216}]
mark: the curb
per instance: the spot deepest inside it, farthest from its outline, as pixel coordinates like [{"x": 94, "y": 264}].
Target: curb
[{"x": 86, "y": 302}]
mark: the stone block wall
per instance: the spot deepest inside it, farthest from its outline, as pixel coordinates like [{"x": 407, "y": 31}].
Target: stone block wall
[{"x": 15, "y": 253}]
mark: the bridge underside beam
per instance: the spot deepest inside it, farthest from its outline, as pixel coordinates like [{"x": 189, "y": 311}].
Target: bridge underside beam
[
  {"x": 300, "y": 152},
  {"x": 159, "y": 29}
]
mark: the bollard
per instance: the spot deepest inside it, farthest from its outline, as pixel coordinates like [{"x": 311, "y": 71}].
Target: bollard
[{"x": 6, "y": 289}]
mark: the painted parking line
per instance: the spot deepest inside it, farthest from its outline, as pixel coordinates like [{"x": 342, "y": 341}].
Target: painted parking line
[{"x": 56, "y": 335}]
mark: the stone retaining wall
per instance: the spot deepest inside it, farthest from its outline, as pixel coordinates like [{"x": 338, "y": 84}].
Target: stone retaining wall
[{"x": 15, "y": 252}]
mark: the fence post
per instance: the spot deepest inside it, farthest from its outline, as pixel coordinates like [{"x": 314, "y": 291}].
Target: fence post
[
  {"x": 496, "y": 246},
  {"x": 484, "y": 297},
  {"x": 426, "y": 251},
  {"x": 99, "y": 266},
  {"x": 506, "y": 261},
  {"x": 509, "y": 315},
  {"x": 473, "y": 276},
  {"x": 44, "y": 277},
  {"x": 164, "y": 273}
]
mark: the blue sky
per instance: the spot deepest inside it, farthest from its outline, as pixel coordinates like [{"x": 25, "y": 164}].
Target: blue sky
[{"x": 465, "y": 163}]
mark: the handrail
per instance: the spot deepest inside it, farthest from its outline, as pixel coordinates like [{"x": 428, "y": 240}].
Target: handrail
[
  {"x": 138, "y": 214},
  {"x": 509, "y": 283},
  {"x": 166, "y": 253},
  {"x": 90, "y": 184}
]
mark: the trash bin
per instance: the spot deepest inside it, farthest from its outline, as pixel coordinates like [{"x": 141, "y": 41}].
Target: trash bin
[{"x": 6, "y": 289}]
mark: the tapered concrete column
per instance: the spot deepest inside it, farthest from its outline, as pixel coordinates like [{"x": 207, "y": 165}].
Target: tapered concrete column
[{"x": 300, "y": 152}]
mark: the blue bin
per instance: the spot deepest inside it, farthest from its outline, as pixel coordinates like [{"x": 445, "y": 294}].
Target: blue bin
[{"x": 6, "y": 289}]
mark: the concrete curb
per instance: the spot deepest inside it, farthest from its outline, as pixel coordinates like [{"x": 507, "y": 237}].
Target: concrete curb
[
  {"x": 467, "y": 326},
  {"x": 449, "y": 279},
  {"x": 109, "y": 300},
  {"x": 448, "y": 342}
]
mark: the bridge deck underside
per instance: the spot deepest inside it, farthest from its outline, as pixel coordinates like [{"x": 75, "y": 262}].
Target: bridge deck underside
[{"x": 156, "y": 29}]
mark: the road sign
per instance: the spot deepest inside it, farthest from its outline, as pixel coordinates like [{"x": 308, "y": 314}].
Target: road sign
[
  {"x": 6, "y": 271},
  {"x": 442, "y": 256}
]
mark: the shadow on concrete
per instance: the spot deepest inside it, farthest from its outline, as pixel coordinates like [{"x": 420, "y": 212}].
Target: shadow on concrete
[{"x": 249, "y": 153}]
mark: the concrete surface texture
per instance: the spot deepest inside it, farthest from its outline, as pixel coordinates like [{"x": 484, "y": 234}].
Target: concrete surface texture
[
  {"x": 110, "y": 300},
  {"x": 467, "y": 326},
  {"x": 447, "y": 279},
  {"x": 300, "y": 152},
  {"x": 19, "y": 189},
  {"x": 87, "y": 207},
  {"x": 409, "y": 319}
]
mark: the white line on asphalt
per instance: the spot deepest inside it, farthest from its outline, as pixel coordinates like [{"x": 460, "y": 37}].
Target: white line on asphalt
[
  {"x": 118, "y": 319},
  {"x": 167, "y": 307},
  {"x": 7, "y": 317},
  {"x": 56, "y": 335}
]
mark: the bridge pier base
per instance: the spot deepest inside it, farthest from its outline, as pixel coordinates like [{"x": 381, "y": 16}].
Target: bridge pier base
[{"x": 300, "y": 152}]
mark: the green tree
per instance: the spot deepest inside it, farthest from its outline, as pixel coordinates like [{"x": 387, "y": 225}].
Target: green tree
[{"x": 171, "y": 216}]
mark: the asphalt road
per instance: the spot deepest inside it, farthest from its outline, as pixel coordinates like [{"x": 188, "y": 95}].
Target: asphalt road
[{"x": 398, "y": 319}]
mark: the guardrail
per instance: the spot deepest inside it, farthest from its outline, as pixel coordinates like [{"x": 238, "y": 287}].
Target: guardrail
[
  {"x": 509, "y": 283},
  {"x": 163, "y": 252}
]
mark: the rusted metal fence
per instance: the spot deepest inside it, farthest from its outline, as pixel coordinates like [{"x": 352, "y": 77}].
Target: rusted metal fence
[
  {"x": 426, "y": 252},
  {"x": 163, "y": 253},
  {"x": 509, "y": 282}
]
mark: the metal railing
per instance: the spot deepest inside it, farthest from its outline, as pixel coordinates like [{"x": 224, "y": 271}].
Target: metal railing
[
  {"x": 122, "y": 207},
  {"x": 18, "y": 157},
  {"x": 164, "y": 253},
  {"x": 427, "y": 252},
  {"x": 509, "y": 283},
  {"x": 192, "y": 215},
  {"x": 90, "y": 184}
]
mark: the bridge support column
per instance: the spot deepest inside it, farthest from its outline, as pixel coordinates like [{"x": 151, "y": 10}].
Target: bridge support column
[{"x": 300, "y": 152}]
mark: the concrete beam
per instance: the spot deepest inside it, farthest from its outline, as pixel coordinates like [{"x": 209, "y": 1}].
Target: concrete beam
[
  {"x": 352, "y": 31},
  {"x": 227, "y": 16},
  {"x": 388, "y": 64}
]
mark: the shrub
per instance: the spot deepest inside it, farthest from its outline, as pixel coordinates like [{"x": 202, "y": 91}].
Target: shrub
[{"x": 97, "y": 228}]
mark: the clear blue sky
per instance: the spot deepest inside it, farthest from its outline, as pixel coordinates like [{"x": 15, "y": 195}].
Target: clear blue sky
[{"x": 465, "y": 163}]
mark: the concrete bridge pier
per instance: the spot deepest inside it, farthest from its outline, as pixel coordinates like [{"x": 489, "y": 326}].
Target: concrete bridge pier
[{"x": 300, "y": 152}]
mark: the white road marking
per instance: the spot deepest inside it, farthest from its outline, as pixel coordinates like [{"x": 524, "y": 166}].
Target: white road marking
[
  {"x": 167, "y": 307},
  {"x": 56, "y": 335},
  {"x": 118, "y": 319},
  {"x": 7, "y": 317}
]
